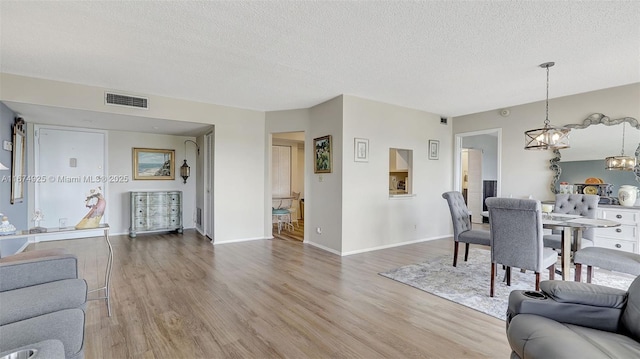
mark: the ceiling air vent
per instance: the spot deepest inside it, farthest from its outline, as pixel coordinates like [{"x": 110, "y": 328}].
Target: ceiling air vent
[{"x": 125, "y": 100}]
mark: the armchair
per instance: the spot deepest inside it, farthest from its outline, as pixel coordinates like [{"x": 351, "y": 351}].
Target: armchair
[
  {"x": 42, "y": 299},
  {"x": 574, "y": 320}
]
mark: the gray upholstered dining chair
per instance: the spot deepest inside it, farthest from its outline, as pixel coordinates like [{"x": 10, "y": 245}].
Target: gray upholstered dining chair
[
  {"x": 585, "y": 205},
  {"x": 462, "y": 231},
  {"x": 516, "y": 238},
  {"x": 605, "y": 258}
]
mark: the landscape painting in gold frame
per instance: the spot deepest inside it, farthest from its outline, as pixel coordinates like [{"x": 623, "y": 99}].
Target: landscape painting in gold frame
[{"x": 153, "y": 164}]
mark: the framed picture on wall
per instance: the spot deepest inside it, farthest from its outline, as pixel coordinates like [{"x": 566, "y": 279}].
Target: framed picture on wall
[
  {"x": 153, "y": 164},
  {"x": 17, "y": 162},
  {"x": 322, "y": 154},
  {"x": 434, "y": 149},
  {"x": 360, "y": 150}
]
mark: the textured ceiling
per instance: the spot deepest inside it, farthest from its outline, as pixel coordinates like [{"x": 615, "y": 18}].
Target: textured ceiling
[{"x": 449, "y": 58}]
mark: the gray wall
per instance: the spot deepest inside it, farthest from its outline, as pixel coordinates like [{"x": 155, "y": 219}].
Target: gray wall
[
  {"x": 579, "y": 171},
  {"x": 525, "y": 172},
  {"x": 17, "y": 213},
  {"x": 489, "y": 146}
]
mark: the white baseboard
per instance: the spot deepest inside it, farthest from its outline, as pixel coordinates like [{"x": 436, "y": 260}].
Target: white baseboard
[
  {"x": 386, "y": 246},
  {"x": 238, "y": 240},
  {"x": 331, "y": 250}
]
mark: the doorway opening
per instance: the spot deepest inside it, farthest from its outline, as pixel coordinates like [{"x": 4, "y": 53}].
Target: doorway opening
[
  {"x": 71, "y": 158},
  {"x": 287, "y": 185},
  {"x": 478, "y": 169}
]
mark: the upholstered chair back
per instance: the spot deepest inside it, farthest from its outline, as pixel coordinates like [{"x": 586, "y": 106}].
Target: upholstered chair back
[
  {"x": 516, "y": 232},
  {"x": 585, "y": 205},
  {"x": 631, "y": 315},
  {"x": 459, "y": 213}
]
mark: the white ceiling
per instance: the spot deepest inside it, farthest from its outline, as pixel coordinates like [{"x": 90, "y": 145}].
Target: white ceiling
[{"x": 446, "y": 57}]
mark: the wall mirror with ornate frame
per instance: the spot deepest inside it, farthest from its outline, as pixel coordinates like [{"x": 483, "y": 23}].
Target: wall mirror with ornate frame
[
  {"x": 596, "y": 138},
  {"x": 17, "y": 161}
]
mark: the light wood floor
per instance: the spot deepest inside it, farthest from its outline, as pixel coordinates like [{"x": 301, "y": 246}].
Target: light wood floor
[
  {"x": 295, "y": 234},
  {"x": 178, "y": 296}
]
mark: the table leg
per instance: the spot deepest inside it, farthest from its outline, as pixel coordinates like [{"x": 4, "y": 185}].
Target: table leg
[
  {"x": 566, "y": 253},
  {"x": 578, "y": 242},
  {"x": 107, "y": 276}
]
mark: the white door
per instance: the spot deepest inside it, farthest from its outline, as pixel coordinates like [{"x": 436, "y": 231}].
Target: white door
[
  {"x": 73, "y": 162},
  {"x": 474, "y": 184}
]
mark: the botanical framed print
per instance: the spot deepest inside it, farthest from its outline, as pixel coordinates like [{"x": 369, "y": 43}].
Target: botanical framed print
[
  {"x": 153, "y": 164},
  {"x": 322, "y": 155},
  {"x": 434, "y": 149},
  {"x": 361, "y": 150}
]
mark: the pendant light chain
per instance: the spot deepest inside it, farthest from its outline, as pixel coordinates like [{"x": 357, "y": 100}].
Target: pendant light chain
[
  {"x": 623, "y": 127},
  {"x": 546, "y": 121}
]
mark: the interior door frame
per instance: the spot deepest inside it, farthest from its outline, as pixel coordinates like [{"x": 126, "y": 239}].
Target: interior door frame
[
  {"x": 457, "y": 158},
  {"x": 34, "y": 187},
  {"x": 208, "y": 171},
  {"x": 268, "y": 174}
]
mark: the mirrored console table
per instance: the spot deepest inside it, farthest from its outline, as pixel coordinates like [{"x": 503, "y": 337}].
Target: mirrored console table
[{"x": 50, "y": 231}]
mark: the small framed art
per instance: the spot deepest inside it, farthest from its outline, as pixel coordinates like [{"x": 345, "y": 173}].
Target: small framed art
[
  {"x": 434, "y": 149},
  {"x": 361, "y": 150}
]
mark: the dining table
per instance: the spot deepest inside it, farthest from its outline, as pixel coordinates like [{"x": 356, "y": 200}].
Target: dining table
[{"x": 572, "y": 226}]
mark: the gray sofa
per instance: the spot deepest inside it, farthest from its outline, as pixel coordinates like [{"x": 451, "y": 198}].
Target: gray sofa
[
  {"x": 574, "y": 320},
  {"x": 42, "y": 303}
]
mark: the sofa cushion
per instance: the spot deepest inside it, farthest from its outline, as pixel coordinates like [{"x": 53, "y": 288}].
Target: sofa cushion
[
  {"x": 66, "y": 326},
  {"x": 631, "y": 315},
  {"x": 533, "y": 336},
  {"x": 42, "y": 299},
  {"x": 36, "y": 267}
]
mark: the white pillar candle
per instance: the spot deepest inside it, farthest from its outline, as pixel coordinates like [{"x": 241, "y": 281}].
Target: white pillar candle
[{"x": 547, "y": 208}]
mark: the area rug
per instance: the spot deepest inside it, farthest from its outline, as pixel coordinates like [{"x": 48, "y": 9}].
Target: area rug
[{"x": 468, "y": 283}]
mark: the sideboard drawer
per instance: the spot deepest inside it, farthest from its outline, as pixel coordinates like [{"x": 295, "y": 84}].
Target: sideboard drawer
[
  {"x": 619, "y": 244},
  {"x": 622, "y": 216},
  {"x": 621, "y": 232}
]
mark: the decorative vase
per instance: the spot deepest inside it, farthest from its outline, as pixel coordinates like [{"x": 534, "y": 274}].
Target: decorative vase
[{"x": 627, "y": 195}]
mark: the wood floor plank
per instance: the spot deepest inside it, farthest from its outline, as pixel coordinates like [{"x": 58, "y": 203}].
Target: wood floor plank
[{"x": 179, "y": 296}]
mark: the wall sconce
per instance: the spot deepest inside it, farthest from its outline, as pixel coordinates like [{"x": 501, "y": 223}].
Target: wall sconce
[
  {"x": 3, "y": 167},
  {"x": 185, "y": 170}
]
